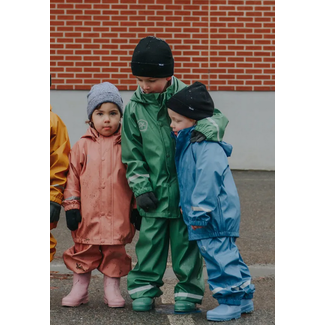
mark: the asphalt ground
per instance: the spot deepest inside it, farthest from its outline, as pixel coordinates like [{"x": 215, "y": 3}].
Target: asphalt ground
[{"x": 256, "y": 244}]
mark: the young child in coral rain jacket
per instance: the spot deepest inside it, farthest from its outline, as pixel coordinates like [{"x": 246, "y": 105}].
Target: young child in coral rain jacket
[
  {"x": 59, "y": 164},
  {"x": 98, "y": 201}
]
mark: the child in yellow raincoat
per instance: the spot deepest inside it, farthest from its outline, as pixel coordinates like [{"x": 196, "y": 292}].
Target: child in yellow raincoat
[{"x": 59, "y": 164}]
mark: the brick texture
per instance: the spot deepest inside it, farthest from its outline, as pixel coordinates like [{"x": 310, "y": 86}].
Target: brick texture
[{"x": 226, "y": 44}]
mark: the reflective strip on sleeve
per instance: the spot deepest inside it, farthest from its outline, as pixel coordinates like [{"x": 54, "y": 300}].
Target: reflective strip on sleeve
[
  {"x": 200, "y": 209},
  {"x": 188, "y": 295},
  {"x": 132, "y": 178},
  {"x": 72, "y": 198},
  {"x": 147, "y": 287},
  {"x": 59, "y": 186}
]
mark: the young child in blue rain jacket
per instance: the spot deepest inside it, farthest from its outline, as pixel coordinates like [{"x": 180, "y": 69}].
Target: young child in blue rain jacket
[{"x": 210, "y": 204}]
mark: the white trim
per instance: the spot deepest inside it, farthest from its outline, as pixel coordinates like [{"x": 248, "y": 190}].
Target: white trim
[
  {"x": 216, "y": 125},
  {"x": 242, "y": 286},
  {"x": 149, "y": 286},
  {"x": 217, "y": 289},
  {"x": 132, "y": 178},
  {"x": 200, "y": 209},
  {"x": 188, "y": 295}
]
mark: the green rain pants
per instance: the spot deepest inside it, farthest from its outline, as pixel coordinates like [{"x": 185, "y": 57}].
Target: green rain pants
[{"x": 152, "y": 247}]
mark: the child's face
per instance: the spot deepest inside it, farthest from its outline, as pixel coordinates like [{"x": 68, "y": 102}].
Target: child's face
[
  {"x": 152, "y": 85},
  {"x": 179, "y": 122},
  {"x": 106, "y": 119}
]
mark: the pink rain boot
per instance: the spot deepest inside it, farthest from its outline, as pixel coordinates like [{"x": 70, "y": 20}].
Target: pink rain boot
[
  {"x": 79, "y": 292},
  {"x": 112, "y": 292}
]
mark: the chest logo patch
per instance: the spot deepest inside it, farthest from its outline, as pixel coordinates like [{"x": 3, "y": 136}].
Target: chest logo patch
[{"x": 143, "y": 125}]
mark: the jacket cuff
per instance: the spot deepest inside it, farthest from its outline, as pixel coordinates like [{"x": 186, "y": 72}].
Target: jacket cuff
[
  {"x": 56, "y": 198},
  {"x": 71, "y": 205},
  {"x": 142, "y": 191}
]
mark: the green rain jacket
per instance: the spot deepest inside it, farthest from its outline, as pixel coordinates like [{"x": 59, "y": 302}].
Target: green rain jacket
[{"x": 149, "y": 150}]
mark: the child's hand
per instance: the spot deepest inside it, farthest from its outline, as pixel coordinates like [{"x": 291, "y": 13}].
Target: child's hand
[
  {"x": 136, "y": 219},
  {"x": 73, "y": 218},
  {"x": 196, "y": 227},
  {"x": 55, "y": 209},
  {"x": 147, "y": 201}
]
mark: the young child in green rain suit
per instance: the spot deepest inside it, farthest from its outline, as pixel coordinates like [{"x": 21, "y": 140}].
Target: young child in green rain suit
[{"x": 149, "y": 151}]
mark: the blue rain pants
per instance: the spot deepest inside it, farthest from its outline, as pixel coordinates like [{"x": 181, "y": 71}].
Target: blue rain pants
[{"x": 228, "y": 276}]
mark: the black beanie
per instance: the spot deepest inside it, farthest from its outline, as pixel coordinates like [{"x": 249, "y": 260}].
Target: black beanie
[
  {"x": 152, "y": 57},
  {"x": 193, "y": 102}
]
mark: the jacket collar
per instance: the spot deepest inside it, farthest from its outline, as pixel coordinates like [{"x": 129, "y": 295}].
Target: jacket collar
[
  {"x": 161, "y": 98},
  {"x": 183, "y": 135},
  {"x": 95, "y": 136}
]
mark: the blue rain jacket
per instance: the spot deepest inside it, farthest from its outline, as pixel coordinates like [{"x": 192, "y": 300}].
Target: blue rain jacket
[{"x": 208, "y": 194}]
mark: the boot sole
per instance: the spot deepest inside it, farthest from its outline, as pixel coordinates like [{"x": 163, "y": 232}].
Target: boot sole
[
  {"x": 117, "y": 305},
  {"x": 84, "y": 302},
  {"x": 223, "y": 319},
  {"x": 247, "y": 310},
  {"x": 146, "y": 308},
  {"x": 187, "y": 311}
]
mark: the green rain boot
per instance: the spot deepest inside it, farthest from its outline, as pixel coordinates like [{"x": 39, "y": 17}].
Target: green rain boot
[
  {"x": 143, "y": 304},
  {"x": 182, "y": 306}
]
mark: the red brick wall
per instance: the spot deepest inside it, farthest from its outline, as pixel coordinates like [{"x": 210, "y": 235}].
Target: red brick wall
[{"x": 226, "y": 44}]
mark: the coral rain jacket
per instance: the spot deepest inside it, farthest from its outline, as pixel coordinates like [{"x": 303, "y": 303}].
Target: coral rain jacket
[{"x": 97, "y": 185}]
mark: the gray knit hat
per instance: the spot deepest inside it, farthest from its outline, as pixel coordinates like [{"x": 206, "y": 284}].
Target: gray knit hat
[{"x": 103, "y": 93}]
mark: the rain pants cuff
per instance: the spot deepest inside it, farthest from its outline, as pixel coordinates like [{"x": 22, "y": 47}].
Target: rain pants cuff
[
  {"x": 185, "y": 296},
  {"x": 248, "y": 296},
  {"x": 229, "y": 301},
  {"x": 142, "y": 191},
  {"x": 195, "y": 301}
]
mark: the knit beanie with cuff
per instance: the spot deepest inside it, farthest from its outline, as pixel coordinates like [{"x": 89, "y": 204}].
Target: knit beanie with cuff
[
  {"x": 152, "y": 57},
  {"x": 103, "y": 93},
  {"x": 193, "y": 102}
]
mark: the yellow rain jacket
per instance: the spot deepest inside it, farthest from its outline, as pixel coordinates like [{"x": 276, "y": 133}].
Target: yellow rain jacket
[
  {"x": 59, "y": 154},
  {"x": 59, "y": 164}
]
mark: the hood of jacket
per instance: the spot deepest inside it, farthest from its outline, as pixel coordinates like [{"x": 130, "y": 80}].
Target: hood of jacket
[{"x": 227, "y": 148}]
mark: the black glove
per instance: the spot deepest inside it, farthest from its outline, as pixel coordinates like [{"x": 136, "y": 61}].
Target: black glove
[
  {"x": 136, "y": 219},
  {"x": 55, "y": 209},
  {"x": 73, "y": 218},
  {"x": 147, "y": 201},
  {"x": 197, "y": 136}
]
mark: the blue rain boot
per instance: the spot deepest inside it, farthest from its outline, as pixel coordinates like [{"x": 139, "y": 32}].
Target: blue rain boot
[
  {"x": 247, "y": 306},
  {"x": 224, "y": 312}
]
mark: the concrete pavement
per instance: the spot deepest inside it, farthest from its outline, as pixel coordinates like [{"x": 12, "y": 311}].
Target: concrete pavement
[{"x": 256, "y": 245}]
